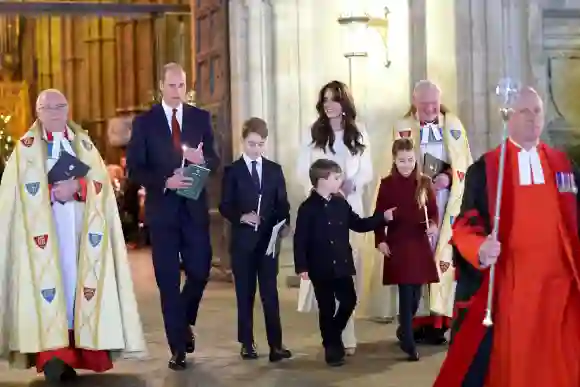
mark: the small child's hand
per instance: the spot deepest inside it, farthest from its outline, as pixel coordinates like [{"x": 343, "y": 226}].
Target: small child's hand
[
  {"x": 304, "y": 276},
  {"x": 389, "y": 214},
  {"x": 250, "y": 218},
  {"x": 384, "y": 249},
  {"x": 432, "y": 231}
]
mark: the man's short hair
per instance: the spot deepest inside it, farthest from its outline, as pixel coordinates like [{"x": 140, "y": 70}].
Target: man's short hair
[
  {"x": 255, "y": 125},
  {"x": 170, "y": 67},
  {"x": 321, "y": 169}
]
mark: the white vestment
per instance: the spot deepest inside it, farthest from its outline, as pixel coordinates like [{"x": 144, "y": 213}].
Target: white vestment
[{"x": 68, "y": 218}]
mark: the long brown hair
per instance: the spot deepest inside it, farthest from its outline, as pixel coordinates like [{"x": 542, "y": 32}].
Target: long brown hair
[
  {"x": 322, "y": 133},
  {"x": 423, "y": 182}
]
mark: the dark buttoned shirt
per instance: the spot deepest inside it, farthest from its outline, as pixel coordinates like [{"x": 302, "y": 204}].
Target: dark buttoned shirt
[{"x": 321, "y": 238}]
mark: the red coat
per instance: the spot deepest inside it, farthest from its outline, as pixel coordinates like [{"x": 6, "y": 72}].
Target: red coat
[{"x": 412, "y": 260}]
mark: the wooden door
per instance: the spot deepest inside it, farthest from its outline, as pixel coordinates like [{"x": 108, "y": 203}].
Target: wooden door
[{"x": 212, "y": 92}]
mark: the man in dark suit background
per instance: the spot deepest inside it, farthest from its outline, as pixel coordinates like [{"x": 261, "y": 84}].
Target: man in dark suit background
[
  {"x": 250, "y": 180},
  {"x": 179, "y": 228}
]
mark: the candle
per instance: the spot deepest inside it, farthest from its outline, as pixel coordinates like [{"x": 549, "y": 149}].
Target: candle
[
  {"x": 183, "y": 148},
  {"x": 258, "y": 211}
]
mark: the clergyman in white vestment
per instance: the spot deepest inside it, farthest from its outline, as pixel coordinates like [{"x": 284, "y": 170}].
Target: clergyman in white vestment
[{"x": 66, "y": 293}]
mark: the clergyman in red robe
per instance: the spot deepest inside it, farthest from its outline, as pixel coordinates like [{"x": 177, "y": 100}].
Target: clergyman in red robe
[{"x": 535, "y": 338}]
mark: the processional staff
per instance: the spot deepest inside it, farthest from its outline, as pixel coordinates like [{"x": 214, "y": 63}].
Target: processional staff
[{"x": 506, "y": 91}]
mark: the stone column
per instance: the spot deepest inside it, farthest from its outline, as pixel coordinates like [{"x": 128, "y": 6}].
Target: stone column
[
  {"x": 239, "y": 82},
  {"x": 417, "y": 41}
]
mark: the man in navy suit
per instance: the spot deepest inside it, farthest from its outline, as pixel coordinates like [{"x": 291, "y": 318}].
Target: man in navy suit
[
  {"x": 179, "y": 228},
  {"x": 254, "y": 200}
]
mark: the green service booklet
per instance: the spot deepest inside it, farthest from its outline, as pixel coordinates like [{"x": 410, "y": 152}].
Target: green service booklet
[{"x": 199, "y": 175}]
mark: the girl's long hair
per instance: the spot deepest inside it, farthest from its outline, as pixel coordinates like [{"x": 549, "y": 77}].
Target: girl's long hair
[
  {"x": 322, "y": 133},
  {"x": 424, "y": 183}
]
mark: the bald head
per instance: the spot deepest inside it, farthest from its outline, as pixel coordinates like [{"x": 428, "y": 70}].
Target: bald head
[
  {"x": 527, "y": 120},
  {"x": 173, "y": 86},
  {"x": 52, "y": 110},
  {"x": 427, "y": 100}
]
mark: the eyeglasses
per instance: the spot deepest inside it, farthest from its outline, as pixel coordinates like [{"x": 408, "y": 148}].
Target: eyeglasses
[{"x": 58, "y": 107}]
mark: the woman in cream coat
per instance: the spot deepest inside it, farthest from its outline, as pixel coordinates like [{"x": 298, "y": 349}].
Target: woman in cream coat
[{"x": 335, "y": 136}]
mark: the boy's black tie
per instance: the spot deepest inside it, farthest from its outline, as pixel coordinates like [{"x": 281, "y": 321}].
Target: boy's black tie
[{"x": 255, "y": 176}]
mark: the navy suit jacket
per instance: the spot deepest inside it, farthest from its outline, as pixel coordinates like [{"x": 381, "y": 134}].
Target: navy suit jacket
[
  {"x": 152, "y": 159},
  {"x": 240, "y": 196}
]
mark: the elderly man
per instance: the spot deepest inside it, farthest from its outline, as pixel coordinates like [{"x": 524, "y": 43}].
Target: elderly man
[
  {"x": 536, "y": 311},
  {"x": 66, "y": 293},
  {"x": 440, "y": 137}
]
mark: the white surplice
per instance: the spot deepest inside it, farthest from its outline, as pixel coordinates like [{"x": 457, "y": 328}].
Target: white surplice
[{"x": 68, "y": 218}]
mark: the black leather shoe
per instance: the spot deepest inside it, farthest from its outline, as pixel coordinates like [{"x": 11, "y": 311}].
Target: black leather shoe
[
  {"x": 248, "y": 352},
  {"x": 412, "y": 354},
  {"x": 334, "y": 357},
  {"x": 190, "y": 345},
  {"x": 177, "y": 362},
  {"x": 277, "y": 354},
  {"x": 57, "y": 371}
]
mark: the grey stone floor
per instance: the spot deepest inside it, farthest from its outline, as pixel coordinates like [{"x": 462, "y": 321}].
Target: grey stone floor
[{"x": 216, "y": 362}]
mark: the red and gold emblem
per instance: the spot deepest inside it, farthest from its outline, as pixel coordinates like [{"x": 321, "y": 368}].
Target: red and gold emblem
[
  {"x": 461, "y": 175},
  {"x": 41, "y": 240},
  {"x": 89, "y": 293},
  {"x": 444, "y": 266},
  {"x": 98, "y": 187},
  {"x": 27, "y": 141}
]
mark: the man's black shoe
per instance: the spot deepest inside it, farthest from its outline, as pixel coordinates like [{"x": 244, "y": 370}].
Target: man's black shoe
[
  {"x": 277, "y": 354},
  {"x": 177, "y": 362}
]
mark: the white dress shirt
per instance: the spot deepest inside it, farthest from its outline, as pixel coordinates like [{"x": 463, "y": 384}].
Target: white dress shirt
[
  {"x": 530, "y": 166},
  {"x": 169, "y": 114},
  {"x": 248, "y": 162}
]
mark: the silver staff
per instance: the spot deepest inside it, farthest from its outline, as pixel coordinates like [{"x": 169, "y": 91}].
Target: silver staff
[{"x": 506, "y": 90}]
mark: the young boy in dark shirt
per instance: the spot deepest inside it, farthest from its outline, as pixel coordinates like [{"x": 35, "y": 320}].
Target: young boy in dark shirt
[
  {"x": 254, "y": 200},
  {"x": 322, "y": 252}
]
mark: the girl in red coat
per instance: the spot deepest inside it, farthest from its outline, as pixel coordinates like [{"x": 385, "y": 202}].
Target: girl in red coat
[{"x": 406, "y": 244}]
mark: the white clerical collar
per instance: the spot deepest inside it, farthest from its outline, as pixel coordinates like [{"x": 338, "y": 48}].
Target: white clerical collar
[
  {"x": 529, "y": 165},
  {"x": 430, "y": 127}
]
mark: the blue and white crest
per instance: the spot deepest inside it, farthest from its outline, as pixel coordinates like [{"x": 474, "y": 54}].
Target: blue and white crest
[
  {"x": 32, "y": 188},
  {"x": 48, "y": 294},
  {"x": 95, "y": 239},
  {"x": 451, "y": 219},
  {"x": 456, "y": 134}
]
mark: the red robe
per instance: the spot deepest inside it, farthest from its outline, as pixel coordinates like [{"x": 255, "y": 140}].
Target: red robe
[{"x": 534, "y": 340}]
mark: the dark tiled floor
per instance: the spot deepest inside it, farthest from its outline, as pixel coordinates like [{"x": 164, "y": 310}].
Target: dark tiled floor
[{"x": 216, "y": 364}]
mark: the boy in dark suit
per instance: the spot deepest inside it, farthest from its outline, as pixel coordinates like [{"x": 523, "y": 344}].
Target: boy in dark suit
[
  {"x": 322, "y": 252},
  {"x": 254, "y": 200}
]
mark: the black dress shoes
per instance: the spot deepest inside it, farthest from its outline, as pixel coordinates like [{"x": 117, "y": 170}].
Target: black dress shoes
[
  {"x": 177, "y": 362},
  {"x": 248, "y": 352},
  {"x": 190, "y": 343},
  {"x": 57, "y": 371},
  {"x": 411, "y": 351},
  {"x": 277, "y": 354},
  {"x": 334, "y": 357}
]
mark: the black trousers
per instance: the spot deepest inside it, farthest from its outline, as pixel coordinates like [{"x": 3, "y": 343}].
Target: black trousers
[
  {"x": 250, "y": 271},
  {"x": 179, "y": 305},
  {"x": 333, "y": 320},
  {"x": 409, "y": 298}
]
